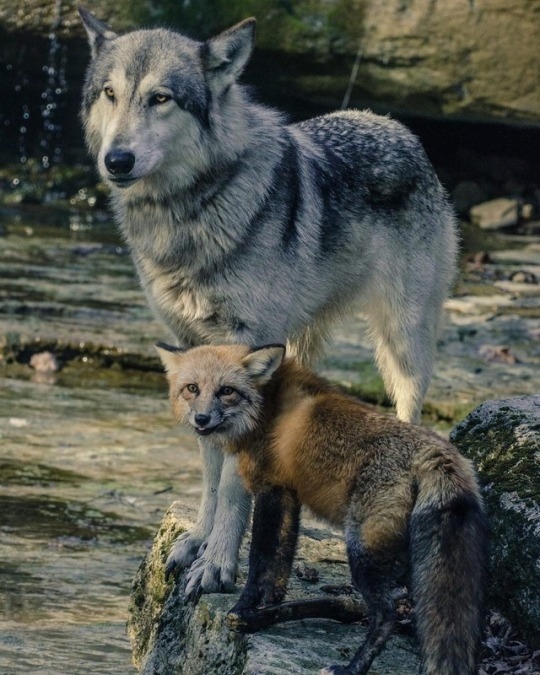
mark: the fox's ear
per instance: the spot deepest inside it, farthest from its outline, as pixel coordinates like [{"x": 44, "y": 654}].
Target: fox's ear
[
  {"x": 97, "y": 31},
  {"x": 225, "y": 56},
  {"x": 170, "y": 356},
  {"x": 262, "y": 362}
]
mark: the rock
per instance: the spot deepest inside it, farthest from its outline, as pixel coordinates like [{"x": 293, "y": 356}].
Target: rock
[
  {"x": 527, "y": 211},
  {"x": 170, "y": 636},
  {"x": 523, "y": 277},
  {"x": 454, "y": 52},
  {"x": 495, "y": 214},
  {"x": 498, "y": 353},
  {"x": 465, "y": 59},
  {"x": 467, "y": 193},
  {"x": 503, "y": 439},
  {"x": 44, "y": 362}
]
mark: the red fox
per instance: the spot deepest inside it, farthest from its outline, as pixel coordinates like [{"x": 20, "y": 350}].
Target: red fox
[{"x": 396, "y": 489}]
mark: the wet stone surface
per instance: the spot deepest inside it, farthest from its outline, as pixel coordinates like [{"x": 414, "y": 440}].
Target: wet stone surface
[{"x": 90, "y": 458}]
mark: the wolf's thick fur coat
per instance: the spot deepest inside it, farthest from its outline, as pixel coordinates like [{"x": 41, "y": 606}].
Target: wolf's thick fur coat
[{"x": 244, "y": 228}]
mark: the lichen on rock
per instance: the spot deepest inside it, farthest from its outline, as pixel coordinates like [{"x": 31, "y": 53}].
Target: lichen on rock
[
  {"x": 171, "y": 636},
  {"x": 503, "y": 439}
]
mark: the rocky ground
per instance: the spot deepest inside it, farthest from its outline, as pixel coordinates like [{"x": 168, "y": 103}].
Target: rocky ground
[{"x": 90, "y": 456}]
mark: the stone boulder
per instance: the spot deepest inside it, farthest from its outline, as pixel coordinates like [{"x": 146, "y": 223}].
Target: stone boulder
[
  {"x": 503, "y": 439},
  {"x": 462, "y": 58},
  {"x": 170, "y": 636}
]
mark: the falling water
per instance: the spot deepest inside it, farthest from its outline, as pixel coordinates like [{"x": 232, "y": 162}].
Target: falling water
[{"x": 55, "y": 70}]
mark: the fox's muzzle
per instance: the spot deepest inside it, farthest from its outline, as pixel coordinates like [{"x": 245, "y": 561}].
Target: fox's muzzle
[{"x": 203, "y": 424}]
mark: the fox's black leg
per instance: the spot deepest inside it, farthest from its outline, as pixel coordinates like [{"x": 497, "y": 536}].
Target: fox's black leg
[
  {"x": 275, "y": 532},
  {"x": 372, "y": 575}
]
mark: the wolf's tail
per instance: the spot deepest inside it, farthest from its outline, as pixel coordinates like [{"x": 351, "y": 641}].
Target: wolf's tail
[{"x": 448, "y": 554}]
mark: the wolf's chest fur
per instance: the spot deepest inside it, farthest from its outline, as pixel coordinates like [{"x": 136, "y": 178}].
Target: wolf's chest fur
[{"x": 193, "y": 310}]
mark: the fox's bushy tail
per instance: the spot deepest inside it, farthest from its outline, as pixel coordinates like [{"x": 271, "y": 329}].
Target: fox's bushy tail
[{"x": 448, "y": 554}]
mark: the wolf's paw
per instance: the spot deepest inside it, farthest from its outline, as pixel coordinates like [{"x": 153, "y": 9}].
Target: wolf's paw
[
  {"x": 207, "y": 576},
  {"x": 183, "y": 552}
]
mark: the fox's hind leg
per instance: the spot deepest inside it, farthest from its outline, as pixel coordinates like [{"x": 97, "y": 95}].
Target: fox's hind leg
[{"x": 375, "y": 546}]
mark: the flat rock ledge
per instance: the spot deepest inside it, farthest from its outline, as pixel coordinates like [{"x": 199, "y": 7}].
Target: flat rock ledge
[
  {"x": 170, "y": 636},
  {"x": 503, "y": 440}
]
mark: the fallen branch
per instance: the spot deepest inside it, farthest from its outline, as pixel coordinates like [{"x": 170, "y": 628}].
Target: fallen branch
[{"x": 342, "y": 609}]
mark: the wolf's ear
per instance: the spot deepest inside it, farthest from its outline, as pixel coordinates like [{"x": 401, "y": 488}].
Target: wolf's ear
[
  {"x": 262, "y": 362},
  {"x": 97, "y": 31},
  {"x": 170, "y": 356},
  {"x": 225, "y": 56}
]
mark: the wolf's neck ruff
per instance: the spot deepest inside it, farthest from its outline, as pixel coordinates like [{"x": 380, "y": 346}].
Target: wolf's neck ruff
[{"x": 210, "y": 220}]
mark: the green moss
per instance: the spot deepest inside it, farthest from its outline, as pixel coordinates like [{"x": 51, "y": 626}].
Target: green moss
[
  {"x": 478, "y": 289},
  {"x": 367, "y": 384},
  {"x": 13, "y": 472},
  {"x": 451, "y": 411}
]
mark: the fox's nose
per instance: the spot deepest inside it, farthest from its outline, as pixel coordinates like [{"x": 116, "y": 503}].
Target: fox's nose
[
  {"x": 119, "y": 162},
  {"x": 202, "y": 420}
]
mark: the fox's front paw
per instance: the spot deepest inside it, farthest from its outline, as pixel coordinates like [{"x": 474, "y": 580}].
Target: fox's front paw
[
  {"x": 208, "y": 576},
  {"x": 236, "y": 621},
  {"x": 184, "y": 551},
  {"x": 335, "y": 670}
]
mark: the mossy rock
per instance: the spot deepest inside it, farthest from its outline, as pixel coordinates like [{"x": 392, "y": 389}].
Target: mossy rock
[
  {"x": 503, "y": 439},
  {"x": 171, "y": 636}
]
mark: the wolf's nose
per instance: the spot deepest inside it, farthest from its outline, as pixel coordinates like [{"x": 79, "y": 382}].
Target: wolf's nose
[
  {"x": 119, "y": 162},
  {"x": 202, "y": 420}
]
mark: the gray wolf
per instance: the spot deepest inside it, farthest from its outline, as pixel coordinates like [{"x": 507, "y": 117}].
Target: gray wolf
[
  {"x": 397, "y": 489},
  {"x": 244, "y": 228}
]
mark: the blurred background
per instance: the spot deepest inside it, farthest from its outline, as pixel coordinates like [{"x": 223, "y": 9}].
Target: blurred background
[
  {"x": 464, "y": 75},
  {"x": 90, "y": 458}
]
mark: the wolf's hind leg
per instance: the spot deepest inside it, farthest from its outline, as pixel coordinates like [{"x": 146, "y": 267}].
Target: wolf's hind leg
[
  {"x": 405, "y": 340},
  {"x": 214, "y": 571},
  {"x": 186, "y": 548}
]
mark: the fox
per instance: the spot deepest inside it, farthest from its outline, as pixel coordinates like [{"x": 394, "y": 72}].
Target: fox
[{"x": 403, "y": 495}]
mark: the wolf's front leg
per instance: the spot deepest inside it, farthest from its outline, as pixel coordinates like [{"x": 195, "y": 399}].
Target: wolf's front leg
[
  {"x": 186, "y": 548},
  {"x": 214, "y": 571}
]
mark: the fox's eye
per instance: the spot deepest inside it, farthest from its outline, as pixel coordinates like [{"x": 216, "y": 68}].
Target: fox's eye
[
  {"x": 109, "y": 93},
  {"x": 159, "y": 99},
  {"x": 226, "y": 391},
  {"x": 192, "y": 388}
]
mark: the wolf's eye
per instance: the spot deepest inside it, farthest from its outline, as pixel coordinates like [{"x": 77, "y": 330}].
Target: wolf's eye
[
  {"x": 226, "y": 391},
  {"x": 192, "y": 388},
  {"x": 159, "y": 99},
  {"x": 109, "y": 93}
]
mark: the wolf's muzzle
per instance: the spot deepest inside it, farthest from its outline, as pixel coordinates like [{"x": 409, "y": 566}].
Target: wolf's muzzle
[{"x": 119, "y": 162}]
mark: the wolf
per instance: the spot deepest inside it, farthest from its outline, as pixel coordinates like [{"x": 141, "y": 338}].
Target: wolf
[
  {"x": 397, "y": 490},
  {"x": 244, "y": 228}
]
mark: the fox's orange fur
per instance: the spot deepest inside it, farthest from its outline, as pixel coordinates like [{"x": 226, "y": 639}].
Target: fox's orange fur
[{"x": 395, "y": 488}]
